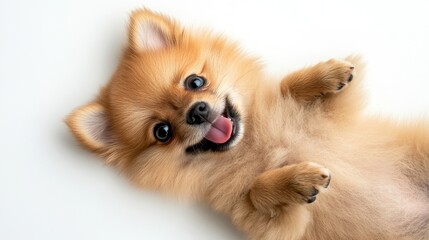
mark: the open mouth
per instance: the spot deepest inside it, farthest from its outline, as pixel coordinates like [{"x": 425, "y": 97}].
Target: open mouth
[{"x": 222, "y": 134}]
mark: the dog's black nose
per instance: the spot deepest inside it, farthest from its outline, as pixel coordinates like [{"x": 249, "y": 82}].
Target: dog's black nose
[{"x": 198, "y": 113}]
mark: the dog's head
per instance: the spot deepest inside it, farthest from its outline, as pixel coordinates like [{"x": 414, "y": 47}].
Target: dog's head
[{"x": 175, "y": 95}]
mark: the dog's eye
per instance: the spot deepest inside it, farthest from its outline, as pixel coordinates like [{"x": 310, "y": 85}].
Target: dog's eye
[
  {"x": 162, "y": 132},
  {"x": 194, "y": 82}
]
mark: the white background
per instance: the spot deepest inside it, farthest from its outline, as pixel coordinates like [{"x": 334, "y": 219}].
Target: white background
[{"x": 54, "y": 56}]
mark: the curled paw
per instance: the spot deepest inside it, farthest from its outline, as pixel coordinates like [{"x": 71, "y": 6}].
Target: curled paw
[
  {"x": 310, "y": 180},
  {"x": 288, "y": 185},
  {"x": 337, "y": 75}
]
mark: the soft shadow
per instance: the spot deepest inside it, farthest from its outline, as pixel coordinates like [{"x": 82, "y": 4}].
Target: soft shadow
[{"x": 222, "y": 222}]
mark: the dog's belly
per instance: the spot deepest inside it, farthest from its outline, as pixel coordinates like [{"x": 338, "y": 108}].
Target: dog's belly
[
  {"x": 368, "y": 198},
  {"x": 359, "y": 209}
]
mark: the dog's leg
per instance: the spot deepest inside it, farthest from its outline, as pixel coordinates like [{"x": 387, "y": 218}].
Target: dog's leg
[
  {"x": 322, "y": 79},
  {"x": 289, "y": 185},
  {"x": 336, "y": 84},
  {"x": 278, "y": 199}
]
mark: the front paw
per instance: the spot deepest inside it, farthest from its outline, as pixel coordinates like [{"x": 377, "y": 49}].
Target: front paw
[
  {"x": 337, "y": 74},
  {"x": 289, "y": 185},
  {"x": 310, "y": 179}
]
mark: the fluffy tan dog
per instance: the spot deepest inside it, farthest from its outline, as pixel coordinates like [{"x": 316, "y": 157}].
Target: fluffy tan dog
[{"x": 188, "y": 114}]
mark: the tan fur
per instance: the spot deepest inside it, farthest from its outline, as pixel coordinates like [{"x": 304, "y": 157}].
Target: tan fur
[{"x": 292, "y": 133}]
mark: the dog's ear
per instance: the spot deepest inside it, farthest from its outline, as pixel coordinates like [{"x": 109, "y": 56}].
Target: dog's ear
[
  {"x": 90, "y": 126},
  {"x": 149, "y": 31}
]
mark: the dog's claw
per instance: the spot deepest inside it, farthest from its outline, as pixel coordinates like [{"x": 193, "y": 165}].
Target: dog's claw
[{"x": 311, "y": 199}]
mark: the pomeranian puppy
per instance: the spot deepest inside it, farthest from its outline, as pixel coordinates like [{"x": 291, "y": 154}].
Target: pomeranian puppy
[{"x": 188, "y": 114}]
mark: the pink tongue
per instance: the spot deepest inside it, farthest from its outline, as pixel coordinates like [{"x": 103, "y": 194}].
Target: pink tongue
[{"x": 221, "y": 130}]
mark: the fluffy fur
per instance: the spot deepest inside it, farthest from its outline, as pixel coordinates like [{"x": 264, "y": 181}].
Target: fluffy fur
[{"x": 291, "y": 132}]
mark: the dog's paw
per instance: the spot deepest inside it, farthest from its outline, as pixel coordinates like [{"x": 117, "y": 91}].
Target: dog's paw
[
  {"x": 309, "y": 181},
  {"x": 287, "y": 186},
  {"x": 337, "y": 75}
]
